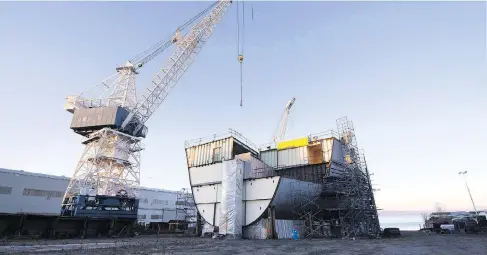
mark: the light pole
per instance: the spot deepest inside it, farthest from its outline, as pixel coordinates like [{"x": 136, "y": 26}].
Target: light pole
[{"x": 464, "y": 174}]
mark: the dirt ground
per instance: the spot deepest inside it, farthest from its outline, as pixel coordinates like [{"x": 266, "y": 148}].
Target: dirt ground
[{"x": 410, "y": 243}]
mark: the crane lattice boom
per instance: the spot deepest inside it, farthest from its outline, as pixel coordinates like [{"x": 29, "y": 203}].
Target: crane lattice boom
[
  {"x": 174, "y": 68},
  {"x": 155, "y": 50},
  {"x": 281, "y": 129},
  {"x": 119, "y": 88}
]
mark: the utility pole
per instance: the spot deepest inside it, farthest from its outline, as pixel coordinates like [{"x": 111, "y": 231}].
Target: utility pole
[{"x": 464, "y": 174}]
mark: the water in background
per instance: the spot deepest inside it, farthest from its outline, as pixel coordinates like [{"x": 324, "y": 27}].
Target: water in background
[{"x": 400, "y": 219}]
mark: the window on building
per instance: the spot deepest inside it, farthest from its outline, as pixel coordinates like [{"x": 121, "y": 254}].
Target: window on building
[
  {"x": 217, "y": 154},
  {"x": 141, "y": 217},
  {"x": 156, "y": 216},
  {"x": 42, "y": 193},
  {"x": 5, "y": 190},
  {"x": 159, "y": 202}
]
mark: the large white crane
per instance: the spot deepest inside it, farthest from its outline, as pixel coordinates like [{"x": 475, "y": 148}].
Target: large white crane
[
  {"x": 281, "y": 129},
  {"x": 114, "y": 123}
]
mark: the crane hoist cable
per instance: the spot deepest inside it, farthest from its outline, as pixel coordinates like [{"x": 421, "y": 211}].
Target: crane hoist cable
[{"x": 240, "y": 45}]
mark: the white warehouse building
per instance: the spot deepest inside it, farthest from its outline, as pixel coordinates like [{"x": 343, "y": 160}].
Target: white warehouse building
[{"x": 35, "y": 193}]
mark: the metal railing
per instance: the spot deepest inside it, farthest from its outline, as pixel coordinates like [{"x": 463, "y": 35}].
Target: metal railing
[
  {"x": 312, "y": 137},
  {"x": 216, "y": 137},
  {"x": 323, "y": 135},
  {"x": 243, "y": 139}
]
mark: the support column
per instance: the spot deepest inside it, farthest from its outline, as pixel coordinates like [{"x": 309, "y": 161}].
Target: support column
[
  {"x": 131, "y": 228},
  {"x": 199, "y": 230},
  {"x": 111, "y": 226},
  {"x": 83, "y": 228},
  {"x": 21, "y": 224},
  {"x": 53, "y": 227},
  {"x": 271, "y": 231}
]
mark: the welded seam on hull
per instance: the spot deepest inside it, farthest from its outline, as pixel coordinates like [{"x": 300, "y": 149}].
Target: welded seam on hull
[{"x": 204, "y": 184}]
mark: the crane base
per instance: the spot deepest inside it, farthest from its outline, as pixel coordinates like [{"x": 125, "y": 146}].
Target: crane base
[
  {"x": 101, "y": 207},
  {"x": 51, "y": 226}
]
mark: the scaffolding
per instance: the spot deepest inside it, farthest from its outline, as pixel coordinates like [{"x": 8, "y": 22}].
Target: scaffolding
[
  {"x": 357, "y": 212},
  {"x": 346, "y": 205},
  {"x": 185, "y": 213},
  {"x": 308, "y": 213}
]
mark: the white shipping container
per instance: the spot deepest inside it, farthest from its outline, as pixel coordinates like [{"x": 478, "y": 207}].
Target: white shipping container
[
  {"x": 299, "y": 156},
  {"x": 210, "y": 153},
  {"x": 292, "y": 157},
  {"x": 269, "y": 157}
]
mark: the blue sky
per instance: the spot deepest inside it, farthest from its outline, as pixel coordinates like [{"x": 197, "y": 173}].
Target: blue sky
[{"x": 411, "y": 76}]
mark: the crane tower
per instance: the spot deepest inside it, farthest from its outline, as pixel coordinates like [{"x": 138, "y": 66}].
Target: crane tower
[{"x": 114, "y": 122}]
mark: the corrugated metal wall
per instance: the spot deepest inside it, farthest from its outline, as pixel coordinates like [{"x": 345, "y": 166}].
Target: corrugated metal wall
[
  {"x": 269, "y": 157},
  {"x": 284, "y": 229},
  {"x": 297, "y": 156},
  {"x": 201, "y": 155},
  {"x": 258, "y": 230},
  {"x": 292, "y": 157}
]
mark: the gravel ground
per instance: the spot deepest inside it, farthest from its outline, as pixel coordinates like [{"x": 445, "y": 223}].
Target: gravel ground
[{"x": 411, "y": 243}]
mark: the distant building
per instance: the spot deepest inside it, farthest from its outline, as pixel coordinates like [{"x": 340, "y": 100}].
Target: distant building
[{"x": 27, "y": 192}]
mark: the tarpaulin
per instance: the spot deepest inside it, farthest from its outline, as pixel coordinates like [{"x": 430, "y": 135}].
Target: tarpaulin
[{"x": 231, "y": 218}]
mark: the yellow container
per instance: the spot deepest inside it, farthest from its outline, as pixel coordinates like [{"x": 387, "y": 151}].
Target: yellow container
[{"x": 293, "y": 143}]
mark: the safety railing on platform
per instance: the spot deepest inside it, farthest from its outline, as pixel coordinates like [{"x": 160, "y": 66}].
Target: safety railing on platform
[{"x": 216, "y": 137}]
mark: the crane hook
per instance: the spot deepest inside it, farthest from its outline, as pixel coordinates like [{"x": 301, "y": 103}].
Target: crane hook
[{"x": 240, "y": 59}]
